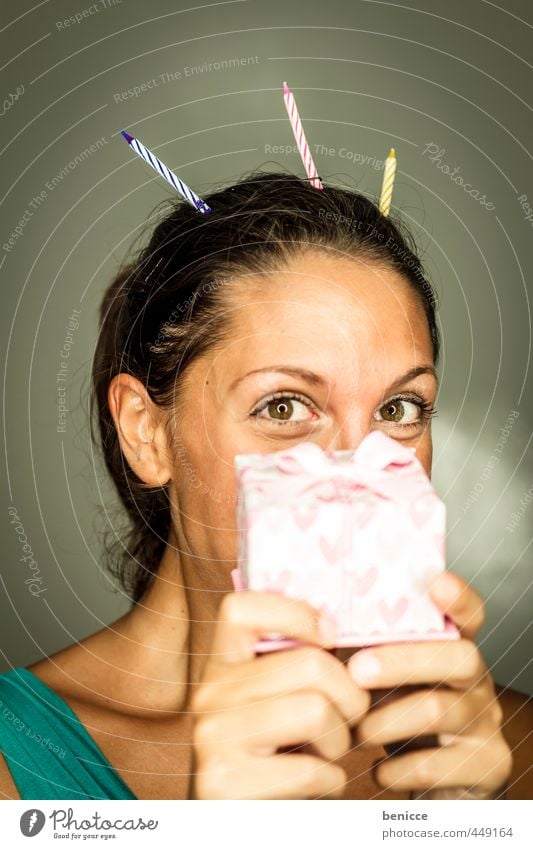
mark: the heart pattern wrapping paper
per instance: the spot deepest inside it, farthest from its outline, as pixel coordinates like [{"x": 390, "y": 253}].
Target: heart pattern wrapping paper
[{"x": 357, "y": 534}]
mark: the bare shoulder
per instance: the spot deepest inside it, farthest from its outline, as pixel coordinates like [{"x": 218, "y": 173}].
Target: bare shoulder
[
  {"x": 517, "y": 725},
  {"x": 49, "y": 671},
  {"x": 8, "y": 788},
  {"x": 80, "y": 671}
]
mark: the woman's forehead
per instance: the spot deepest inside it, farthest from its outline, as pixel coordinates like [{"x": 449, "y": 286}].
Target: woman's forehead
[
  {"x": 353, "y": 327},
  {"x": 338, "y": 307},
  {"x": 317, "y": 282}
]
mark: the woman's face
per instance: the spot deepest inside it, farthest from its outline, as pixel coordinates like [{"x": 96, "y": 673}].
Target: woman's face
[{"x": 325, "y": 352}]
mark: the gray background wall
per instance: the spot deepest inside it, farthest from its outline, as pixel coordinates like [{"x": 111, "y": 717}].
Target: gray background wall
[{"x": 366, "y": 74}]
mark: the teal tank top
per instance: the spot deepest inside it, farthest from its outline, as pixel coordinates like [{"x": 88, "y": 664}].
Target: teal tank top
[{"x": 48, "y": 751}]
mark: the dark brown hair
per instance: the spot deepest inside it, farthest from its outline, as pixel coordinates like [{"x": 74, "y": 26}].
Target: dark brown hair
[{"x": 164, "y": 308}]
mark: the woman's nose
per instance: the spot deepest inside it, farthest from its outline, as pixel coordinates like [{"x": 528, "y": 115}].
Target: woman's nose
[{"x": 350, "y": 431}]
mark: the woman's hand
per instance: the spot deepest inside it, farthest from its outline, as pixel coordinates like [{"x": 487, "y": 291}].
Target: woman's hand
[
  {"x": 247, "y": 707},
  {"x": 460, "y": 707}
]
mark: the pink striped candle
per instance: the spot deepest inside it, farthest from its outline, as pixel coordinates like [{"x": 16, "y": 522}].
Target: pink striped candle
[{"x": 299, "y": 135}]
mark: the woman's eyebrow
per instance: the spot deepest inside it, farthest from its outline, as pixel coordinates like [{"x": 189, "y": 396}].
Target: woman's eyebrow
[
  {"x": 412, "y": 373},
  {"x": 317, "y": 379},
  {"x": 292, "y": 371}
]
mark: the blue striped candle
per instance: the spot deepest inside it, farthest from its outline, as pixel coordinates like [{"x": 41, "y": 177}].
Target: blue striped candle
[{"x": 165, "y": 172}]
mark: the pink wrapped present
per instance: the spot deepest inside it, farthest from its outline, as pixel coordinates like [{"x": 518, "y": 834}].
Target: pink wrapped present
[{"x": 357, "y": 534}]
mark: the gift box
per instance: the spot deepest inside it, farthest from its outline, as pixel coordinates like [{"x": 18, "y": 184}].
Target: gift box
[{"x": 357, "y": 534}]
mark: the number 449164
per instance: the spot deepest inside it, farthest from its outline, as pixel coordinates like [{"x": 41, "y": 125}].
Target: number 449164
[{"x": 491, "y": 832}]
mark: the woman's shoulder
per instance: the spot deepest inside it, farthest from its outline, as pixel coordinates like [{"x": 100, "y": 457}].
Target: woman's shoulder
[
  {"x": 38, "y": 704},
  {"x": 119, "y": 672},
  {"x": 8, "y": 788},
  {"x": 55, "y": 745},
  {"x": 116, "y": 707},
  {"x": 80, "y": 671}
]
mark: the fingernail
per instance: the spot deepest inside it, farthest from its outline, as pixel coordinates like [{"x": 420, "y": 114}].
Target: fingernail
[
  {"x": 328, "y": 629},
  {"x": 364, "y": 667}
]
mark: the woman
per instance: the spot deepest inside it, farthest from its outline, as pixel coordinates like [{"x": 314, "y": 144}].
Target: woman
[{"x": 287, "y": 314}]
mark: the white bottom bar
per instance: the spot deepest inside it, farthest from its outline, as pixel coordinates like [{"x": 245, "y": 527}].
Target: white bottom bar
[{"x": 269, "y": 825}]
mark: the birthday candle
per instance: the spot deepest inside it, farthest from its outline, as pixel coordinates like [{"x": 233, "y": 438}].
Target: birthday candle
[
  {"x": 388, "y": 183},
  {"x": 299, "y": 135},
  {"x": 165, "y": 172}
]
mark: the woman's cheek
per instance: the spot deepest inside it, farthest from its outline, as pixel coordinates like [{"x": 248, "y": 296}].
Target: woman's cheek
[{"x": 424, "y": 452}]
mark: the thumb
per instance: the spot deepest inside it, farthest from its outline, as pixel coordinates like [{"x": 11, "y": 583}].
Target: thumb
[{"x": 455, "y": 597}]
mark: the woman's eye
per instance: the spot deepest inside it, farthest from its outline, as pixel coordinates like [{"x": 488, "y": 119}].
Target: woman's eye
[
  {"x": 287, "y": 409},
  {"x": 283, "y": 409},
  {"x": 400, "y": 411}
]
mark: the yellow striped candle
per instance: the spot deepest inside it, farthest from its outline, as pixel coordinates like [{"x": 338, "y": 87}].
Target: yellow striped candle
[{"x": 388, "y": 183}]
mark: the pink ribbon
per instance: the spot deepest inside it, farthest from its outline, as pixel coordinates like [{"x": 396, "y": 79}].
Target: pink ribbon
[{"x": 379, "y": 464}]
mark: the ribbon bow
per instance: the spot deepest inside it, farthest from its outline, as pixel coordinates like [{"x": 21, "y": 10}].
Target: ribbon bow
[{"x": 379, "y": 464}]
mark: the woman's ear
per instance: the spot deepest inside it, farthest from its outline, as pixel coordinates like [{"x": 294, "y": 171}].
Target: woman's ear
[{"x": 140, "y": 428}]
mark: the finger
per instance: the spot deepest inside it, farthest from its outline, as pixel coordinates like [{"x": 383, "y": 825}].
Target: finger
[
  {"x": 268, "y": 676},
  {"x": 278, "y": 777},
  {"x": 459, "y": 601},
  {"x": 305, "y": 777},
  {"x": 425, "y": 712},
  {"x": 262, "y": 728},
  {"x": 486, "y": 767},
  {"x": 249, "y": 614},
  {"x": 456, "y": 663}
]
